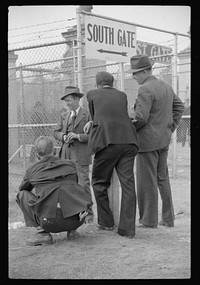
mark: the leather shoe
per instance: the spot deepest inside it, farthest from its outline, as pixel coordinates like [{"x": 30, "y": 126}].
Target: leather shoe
[
  {"x": 130, "y": 236},
  {"x": 147, "y": 227},
  {"x": 40, "y": 239},
  {"x": 126, "y": 236},
  {"x": 166, "y": 224},
  {"x": 100, "y": 227},
  {"x": 89, "y": 219},
  {"x": 72, "y": 235}
]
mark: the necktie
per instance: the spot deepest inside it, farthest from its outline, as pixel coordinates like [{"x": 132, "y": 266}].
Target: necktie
[{"x": 72, "y": 121}]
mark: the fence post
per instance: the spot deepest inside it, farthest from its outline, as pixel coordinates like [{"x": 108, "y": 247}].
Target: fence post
[
  {"x": 175, "y": 87},
  {"x": 79, "y": 51},
  {"x": 122, "y": 75},
  {"x": 22, "y": 117},
  {"x": 74, "y": 63}
]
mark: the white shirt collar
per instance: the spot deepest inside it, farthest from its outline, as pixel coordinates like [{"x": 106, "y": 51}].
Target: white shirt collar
[{"x": 72, "y": 112}]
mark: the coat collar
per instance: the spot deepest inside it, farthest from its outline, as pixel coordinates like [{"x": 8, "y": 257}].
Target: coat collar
[
  {"x": 79, "y": 117},
  {"x": 149, "y": 78}
]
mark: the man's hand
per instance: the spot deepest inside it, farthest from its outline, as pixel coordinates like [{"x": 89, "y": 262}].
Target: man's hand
[
  {"x": 87, "y": 127},
  {"x": 71, "y": 136}
]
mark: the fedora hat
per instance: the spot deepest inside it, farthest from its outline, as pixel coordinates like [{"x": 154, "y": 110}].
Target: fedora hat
[
  {"x": 139, "y": 63},
  {"x": 72, "y": 90}
]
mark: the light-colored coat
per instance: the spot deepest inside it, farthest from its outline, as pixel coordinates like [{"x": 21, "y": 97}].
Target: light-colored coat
[
  {"x": 157, "y": 111},
  {"x": 80, "y": 147}
]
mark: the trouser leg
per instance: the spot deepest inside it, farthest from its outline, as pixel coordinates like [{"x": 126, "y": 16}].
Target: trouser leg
[
  {"x": 125, "y": 173},
  {"x": 82, "y": 172},
  {"x": 164, "y": 187},
  {"x": 23, "y": 198},
  {"x": 61, "y": 224},
  {"x": 103, "y": 166},
  {"x": 147, "y": 192},
  {"x": 84, "y": 180}
]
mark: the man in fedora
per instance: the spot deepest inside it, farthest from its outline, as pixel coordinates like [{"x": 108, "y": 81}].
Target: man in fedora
[
  {"x": 158, "y": 111},
  {"x": 74, "y": 141}
]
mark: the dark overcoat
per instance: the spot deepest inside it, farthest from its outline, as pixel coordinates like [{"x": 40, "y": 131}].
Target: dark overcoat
[
  {"x": 111, "y": 123},
  {"x": 55, "y": 180}
]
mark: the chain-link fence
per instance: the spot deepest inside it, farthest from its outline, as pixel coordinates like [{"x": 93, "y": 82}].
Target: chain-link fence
[{"x": 37, "y": 77}]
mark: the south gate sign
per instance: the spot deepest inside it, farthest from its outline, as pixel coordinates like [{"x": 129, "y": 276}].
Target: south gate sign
[
  {"x": 116, "y": 41},
  {"x": 109, "y": 40}
]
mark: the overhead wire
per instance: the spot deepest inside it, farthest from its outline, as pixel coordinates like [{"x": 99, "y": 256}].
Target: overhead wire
[
  {"x": 44, "y": 31},
  {"x": 47, "y": 23}
]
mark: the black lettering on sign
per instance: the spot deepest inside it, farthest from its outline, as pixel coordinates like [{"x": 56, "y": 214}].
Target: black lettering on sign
[
  {"x": 111, "y": 39},
  {"x": 102, "y": 34},
  {"x": 95, "y": 33},
  {"x": 88, "y": 27},
  {"x": 106, "y": 34},
  {"x": 125, "y": 38}
]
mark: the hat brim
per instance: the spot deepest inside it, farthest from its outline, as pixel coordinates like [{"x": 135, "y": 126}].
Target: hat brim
[
  {"x": 139, "y": 69},
  {"x": 80, "y": 95}
]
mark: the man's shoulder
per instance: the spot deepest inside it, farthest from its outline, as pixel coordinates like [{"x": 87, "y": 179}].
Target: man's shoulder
[
  {"x": 91, "y": 92},
  {"x": 57, "y": 161},
  {"x": 83, "y": 110},
  {"x": 153, "y": 81}
]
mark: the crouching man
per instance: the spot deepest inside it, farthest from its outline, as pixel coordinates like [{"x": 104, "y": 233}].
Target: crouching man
[{"x": 58, "y": 203}]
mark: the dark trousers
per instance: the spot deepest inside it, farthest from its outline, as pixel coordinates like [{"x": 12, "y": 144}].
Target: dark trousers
[
  {"x": 121, "y": 157},
  {"x": 54, "y": 225},
  {"x": 151, "y": 175}
]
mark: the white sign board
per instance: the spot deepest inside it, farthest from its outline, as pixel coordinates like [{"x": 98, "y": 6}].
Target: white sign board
[{"x": 109, "y": 39}]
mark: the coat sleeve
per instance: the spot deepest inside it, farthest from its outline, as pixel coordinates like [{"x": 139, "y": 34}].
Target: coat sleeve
[
  {"x": 142, "y": 108},
  {"x": 90, "y": 106},
  {"x": 25, "y": 184},
  {"x": 84, "y": 137},
  {"x": 177, "y": 110},
  {"x": 58, "y": 131}
]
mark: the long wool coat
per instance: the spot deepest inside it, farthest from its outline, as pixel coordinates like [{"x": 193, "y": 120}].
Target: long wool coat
[{"x": 55, "y": 180}]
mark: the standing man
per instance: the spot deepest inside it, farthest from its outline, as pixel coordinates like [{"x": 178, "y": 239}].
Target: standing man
[
  {"x": 157, "y": 113},
  {"x": 59, "y": 202},
  {"x": 74, "y": 141},
  {"x": 113, "y": 140}
]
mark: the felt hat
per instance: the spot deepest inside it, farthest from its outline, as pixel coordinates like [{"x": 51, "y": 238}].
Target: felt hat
[
  {"x": 69, "y": 90},
  {"x": 139, "y": 63}
]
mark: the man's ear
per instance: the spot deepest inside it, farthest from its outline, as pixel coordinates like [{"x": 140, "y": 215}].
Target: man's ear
[{"x": 38, "y": 157}]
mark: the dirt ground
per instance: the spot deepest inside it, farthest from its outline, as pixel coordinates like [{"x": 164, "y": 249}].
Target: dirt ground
[{"x": 162, "y": 253}]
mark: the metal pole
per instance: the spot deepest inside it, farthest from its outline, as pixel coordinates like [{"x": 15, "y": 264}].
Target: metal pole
[
  {"x": 22, "y": 117},
  {"x": 74, "y": 63},
  {"x": 79, "y": 51},
  {"x": 135, "y": 24},
  {"x": 175, "y": 86},
  {"x": 122, "y": 76},
  {"x": 42, "y": 89}
]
